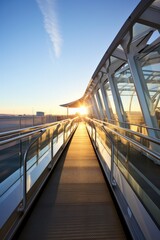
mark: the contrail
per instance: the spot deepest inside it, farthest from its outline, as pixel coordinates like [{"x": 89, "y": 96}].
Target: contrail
[{"x": 50, "y": 24}]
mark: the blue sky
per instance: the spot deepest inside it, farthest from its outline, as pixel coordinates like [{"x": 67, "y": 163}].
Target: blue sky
[{"x": 49, "y": 49}]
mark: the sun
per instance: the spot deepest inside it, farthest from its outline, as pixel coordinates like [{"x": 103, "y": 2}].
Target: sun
[{"x": 82, "y": 110}]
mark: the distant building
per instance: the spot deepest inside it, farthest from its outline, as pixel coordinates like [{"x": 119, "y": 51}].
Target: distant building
[{"x": 40, "y": 114}]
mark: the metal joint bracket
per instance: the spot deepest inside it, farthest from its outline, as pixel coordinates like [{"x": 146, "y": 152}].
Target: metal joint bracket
[{"x": 114, "y": 183}]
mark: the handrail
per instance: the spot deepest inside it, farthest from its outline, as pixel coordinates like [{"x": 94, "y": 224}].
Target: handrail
[
  {"x": 112, "y": 181},
  {"x": 134, "y": 124},
  {"x": 23, "y": 205},
  {"x": 65, "y": 126},
  {"x": 37, "y": 133},
  {"x": 23, "y": 130},
  {"x": 70, "y": 121},
  {"x": 3, "y": 142},
  {"x": 154, "y": 140},
  {"x": 153, "y": 154},
  {"x": 53, "y": 135}
]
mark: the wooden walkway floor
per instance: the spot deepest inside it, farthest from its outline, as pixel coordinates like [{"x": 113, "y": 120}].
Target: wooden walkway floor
[{"x": 76, "y": 203}]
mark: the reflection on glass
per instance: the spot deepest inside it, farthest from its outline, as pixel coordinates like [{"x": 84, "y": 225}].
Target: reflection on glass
[
  {"x": 137, "y": 167},
  {"x": 102, "y": 102},
  {"x": 151, "y": 70},
  {"x": 95, "y": 97},
  {"x": 128, "y": 96},
  {"x": 138, "y": 29},
  {"x": 110, "y": 101}
]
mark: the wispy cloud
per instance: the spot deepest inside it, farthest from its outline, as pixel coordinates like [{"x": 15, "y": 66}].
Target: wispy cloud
[{"x": 47, "y": 8}]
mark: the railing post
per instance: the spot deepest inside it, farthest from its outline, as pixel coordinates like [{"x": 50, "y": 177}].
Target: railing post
[
  {"x": 112, "y": 180},
  {"x": 95, "y": 136},
  {"x": 64, "y": 132},
  {"x": 128, "y": 151},
  {"x": 55, "y": 132},
  {"x": 38, "y": 145},
  {"x": 94, "y": 127},
  {"x": 23, "y": 204}
]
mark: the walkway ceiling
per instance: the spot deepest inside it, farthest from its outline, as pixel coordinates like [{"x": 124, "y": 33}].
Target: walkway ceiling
[{"x": 137, "y": 30}]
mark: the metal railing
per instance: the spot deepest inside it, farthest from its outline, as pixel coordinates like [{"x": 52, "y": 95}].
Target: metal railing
[
  {"x": 92, "y": 123},
  {"x": 138, "y": 160},
  {"x": 23, "y": 205},
  {"x": 126, "y": 130},
  {"x": 141, "y": 128},
  {"x": 144, "y": 142},
  {"x": 35, "y": 151}
]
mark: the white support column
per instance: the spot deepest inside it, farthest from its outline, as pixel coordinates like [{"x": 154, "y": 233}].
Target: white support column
[
  {"x": 100, "y": 105},
  {"x": 117, "y": 100},
  {"x": 143, "y": 94},
  {"x": 89, "y": 106},
  {"x": 94, "y": 107},
  {"x": 105, "y": 100}
]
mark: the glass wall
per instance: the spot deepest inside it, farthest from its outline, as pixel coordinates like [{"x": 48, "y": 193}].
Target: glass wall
[
  {"x": 97, "y": 105},
  {"x": 102, "y": 102},
  {"x": 111, "y": 103},
  {"x": 126, "y": 89},
  {"x": 151, "y": 70}
]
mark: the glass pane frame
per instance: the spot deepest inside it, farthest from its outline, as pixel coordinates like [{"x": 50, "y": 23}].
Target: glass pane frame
[
  {"x": 150, "y": 64},
  {"x": 111, "y": 102},
  {"x": 129, "y": 98}
]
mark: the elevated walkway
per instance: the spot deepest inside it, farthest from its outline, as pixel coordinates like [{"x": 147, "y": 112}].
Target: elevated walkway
[{"x": 76, "y": 202}]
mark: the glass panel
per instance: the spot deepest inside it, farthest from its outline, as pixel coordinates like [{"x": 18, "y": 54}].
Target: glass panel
[
  {"x": 113, "y": 59},
  {"x": 154, "y": 36},
  {"x": 97, "y": 105},
  {"x": 141, "y": 172},
  {"x": 139, "y": 168},
  {"x": 128, "y": 96},
  {"x": 102, "y": 102},
  {"x": 11, "y": 160},
  {"x": 151, "y": 69},
  {"x": 120, "y": 47},
  {"x": 110, "y": 101},
  {"x": 139, "y": 30}
]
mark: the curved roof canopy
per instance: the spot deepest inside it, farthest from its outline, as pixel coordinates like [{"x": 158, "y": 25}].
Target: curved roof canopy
[
  {"x": 136, "y": 32},
  {"x": 75, "y": 104}
]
